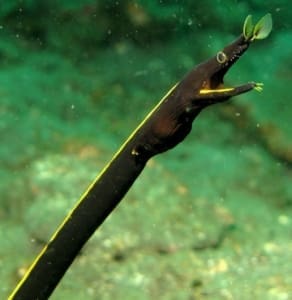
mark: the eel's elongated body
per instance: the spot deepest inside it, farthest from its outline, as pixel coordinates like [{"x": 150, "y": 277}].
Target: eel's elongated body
[{"x": 164, "y": 127}]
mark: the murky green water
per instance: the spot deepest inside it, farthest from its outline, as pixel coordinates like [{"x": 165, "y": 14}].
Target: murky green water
[{"x": 210, "y": 219}]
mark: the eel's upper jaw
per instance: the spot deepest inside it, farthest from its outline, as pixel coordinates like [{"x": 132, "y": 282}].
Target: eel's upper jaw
[
  {"x": 232, "y": 53},
  {"x": 214, "y": 84}
]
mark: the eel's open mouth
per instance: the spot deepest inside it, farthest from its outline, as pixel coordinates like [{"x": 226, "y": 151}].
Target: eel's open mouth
[{"x": 213, "y": 86}]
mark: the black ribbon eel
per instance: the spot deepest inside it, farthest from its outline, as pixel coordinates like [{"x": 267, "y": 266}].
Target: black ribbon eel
[{"x": 164, "y": 127}]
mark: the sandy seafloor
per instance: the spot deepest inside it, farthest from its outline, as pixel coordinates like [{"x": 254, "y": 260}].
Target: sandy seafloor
[{"x": 210, "y": 219}]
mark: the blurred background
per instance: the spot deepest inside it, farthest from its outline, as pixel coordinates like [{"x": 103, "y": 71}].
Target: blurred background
[{"x": 210, "y": 219}]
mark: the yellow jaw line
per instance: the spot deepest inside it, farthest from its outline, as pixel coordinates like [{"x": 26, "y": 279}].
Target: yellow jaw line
[{"x": 207, "y": 91}]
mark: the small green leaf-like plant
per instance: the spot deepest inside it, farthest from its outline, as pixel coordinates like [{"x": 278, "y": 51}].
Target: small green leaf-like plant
[
  {"x": 248, "y": 27},
  {"x": 259, "y": 31}
]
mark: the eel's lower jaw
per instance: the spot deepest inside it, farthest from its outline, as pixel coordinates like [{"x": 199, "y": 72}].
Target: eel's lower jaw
[
  {"x": 223, "y": 91},
  {"x": 258, "y": 86}
]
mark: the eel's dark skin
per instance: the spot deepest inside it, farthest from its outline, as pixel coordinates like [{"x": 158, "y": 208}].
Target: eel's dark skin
[{"x": 164, "y": 127}]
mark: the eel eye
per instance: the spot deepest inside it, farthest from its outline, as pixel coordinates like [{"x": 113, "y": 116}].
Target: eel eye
[{"x": 221, "y": 57}]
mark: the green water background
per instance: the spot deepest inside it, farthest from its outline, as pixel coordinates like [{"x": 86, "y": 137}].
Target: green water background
[{"x": 210, "y": 219}]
